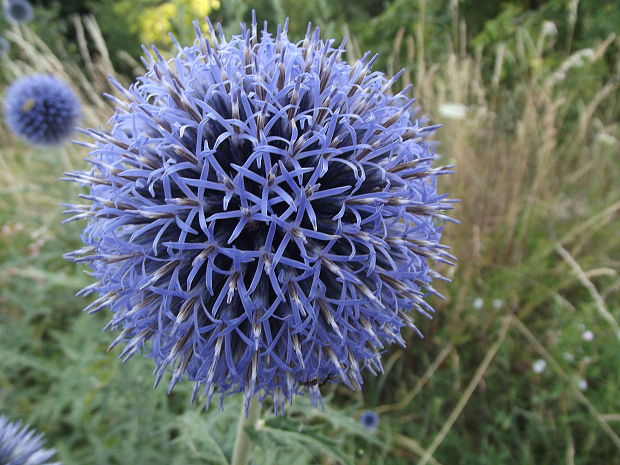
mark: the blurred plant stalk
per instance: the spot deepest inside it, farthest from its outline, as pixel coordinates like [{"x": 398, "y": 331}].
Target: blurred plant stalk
[{"x": 243, "y": 442}]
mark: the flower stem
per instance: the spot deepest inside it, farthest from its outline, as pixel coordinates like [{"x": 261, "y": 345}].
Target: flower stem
[{"x": 243, "y": 442}]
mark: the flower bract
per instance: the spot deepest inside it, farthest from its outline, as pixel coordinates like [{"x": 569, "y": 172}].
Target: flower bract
[{"x": 20, "y": 445}]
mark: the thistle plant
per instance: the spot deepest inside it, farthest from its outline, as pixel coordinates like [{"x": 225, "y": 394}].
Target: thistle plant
[
  {"x": 18, "y": 11},
  {"x": 369, "y": 420},
  {"x": 263, "y": 217},
  {"x": 41, "y": 109},
  {"x": 22, "y": 446}
]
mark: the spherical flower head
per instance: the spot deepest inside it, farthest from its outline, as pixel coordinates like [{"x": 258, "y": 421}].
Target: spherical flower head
[
  {"x": 41, "y": 109},
  {"x": 18, "y": 11},
  {"x": 22, "y": 446},
  {"x": 369, "y": 420},
  {"x": 5, "y": 47},
  {"x": 262, "y": 216}
]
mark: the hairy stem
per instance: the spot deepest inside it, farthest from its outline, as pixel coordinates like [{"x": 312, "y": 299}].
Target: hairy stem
[{"x": 242, "y": 442}]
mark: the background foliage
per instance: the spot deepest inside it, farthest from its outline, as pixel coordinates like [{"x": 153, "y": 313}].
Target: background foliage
[{"x": 528, "y": 94}]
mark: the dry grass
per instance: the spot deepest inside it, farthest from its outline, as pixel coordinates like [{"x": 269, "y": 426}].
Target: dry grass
[
  {"x": 529, "y": 174},
  {"x": 89, "y": 81},
  {"x": 539, "y": 187}
]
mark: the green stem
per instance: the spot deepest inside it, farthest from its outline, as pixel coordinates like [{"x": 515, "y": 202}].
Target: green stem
[{"x": 243, "y": 442}]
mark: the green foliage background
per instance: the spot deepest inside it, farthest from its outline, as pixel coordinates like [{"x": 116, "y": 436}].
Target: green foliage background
[
  {"x": 373, "y": 23},
  {"x": 537, "y": 165}
]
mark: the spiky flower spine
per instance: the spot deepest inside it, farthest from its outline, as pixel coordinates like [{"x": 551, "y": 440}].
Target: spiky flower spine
[
  {"x": 41, "y": 109},
  {"x": 18, "y": 11},
  {"x": 22, "y": 446},
  {"x": 262, "y": 215}
]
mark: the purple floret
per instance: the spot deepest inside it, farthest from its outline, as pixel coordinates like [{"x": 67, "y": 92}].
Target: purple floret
[{"x": 20, "y": 445}]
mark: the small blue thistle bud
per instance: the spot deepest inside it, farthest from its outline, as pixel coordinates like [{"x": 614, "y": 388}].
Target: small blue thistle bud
[
  {"x": 18, "y": 11},
  {"x": 262, "y": 216},
  {"x": 22, "y": 446},
  {"x": 369, "y": 420},
  {"x": 41, "y": 109}
]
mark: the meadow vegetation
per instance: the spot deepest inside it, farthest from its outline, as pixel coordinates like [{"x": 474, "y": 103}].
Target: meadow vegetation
[{"x": 521, "y": 363}]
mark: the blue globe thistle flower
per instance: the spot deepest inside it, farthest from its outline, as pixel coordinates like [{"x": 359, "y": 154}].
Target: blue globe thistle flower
[
  {"x": 41, "y": 109},
  {"x": 369, "y": 420},
  {"x": 262, "y": 216},
  {"x": 18, "y": 11},
  {"x": 22, "y": 446}
]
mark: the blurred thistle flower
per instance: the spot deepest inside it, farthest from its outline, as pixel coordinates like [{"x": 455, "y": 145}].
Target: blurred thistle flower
[
  {"x": 587, "y": 336},
  {"x": 262, "y": 214},
  {"x": 539, "y": 366},
  {"x": 22, "y": 446},
  {"x": 369, "y": 420},
  {"x": 478, "y": 303},
  {"x": 5, "y": 47},
  {"x": 18, "y": 11},
  {"x": 41, "y": 109},
  {"x": 582, "y": 384}
]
